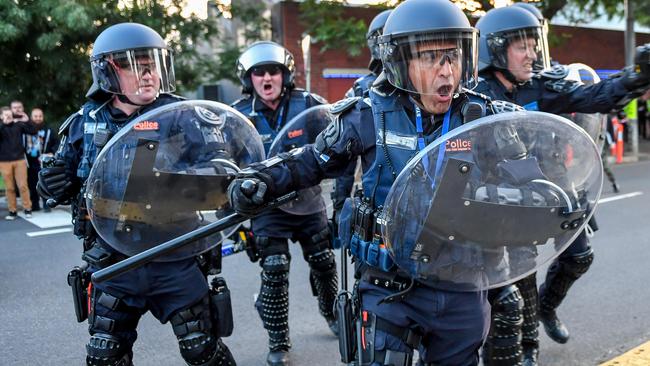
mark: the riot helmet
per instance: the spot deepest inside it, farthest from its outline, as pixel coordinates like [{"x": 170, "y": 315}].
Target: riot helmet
[
  {"x": 425, "y": 37},
  {"x": 375, "y": 30},
  {"x": 538, "y": 14},
  {"x": 264, "y": 54},
  {"x": 515, "y": 34},
  {"x": 129, "y": 58}
]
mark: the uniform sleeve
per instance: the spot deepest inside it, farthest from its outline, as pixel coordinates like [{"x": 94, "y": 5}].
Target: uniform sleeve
[
  {"x": 602, "y": 97},
  {"x": 335, "y": 148}
]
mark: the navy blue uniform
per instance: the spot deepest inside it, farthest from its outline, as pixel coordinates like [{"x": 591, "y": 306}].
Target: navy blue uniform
[
  {"x": 549, "y": 92},
  {"x": 451, "y": 325},
  {"x": 173, "y": 290},
  {"x": 273, "y": 228},
  {"x": 269, "y": 122}
]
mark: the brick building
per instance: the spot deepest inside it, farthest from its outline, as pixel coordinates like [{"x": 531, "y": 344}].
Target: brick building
[{"x": 333, "y": 71}]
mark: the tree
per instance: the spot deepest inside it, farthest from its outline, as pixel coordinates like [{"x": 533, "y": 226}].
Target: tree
[
  {"x": 46, "y": 45},
  {"x": 324, "y": 20},
  {"x": 250, "y": 25}
]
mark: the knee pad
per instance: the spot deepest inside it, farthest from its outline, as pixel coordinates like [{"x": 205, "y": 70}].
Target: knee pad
[
  {"x": 316, "y": 243},
  {"x": 322, "y": 262},
  {"x": 578, "y": 264},
  {"x": 192, "y": 327},
  {"x": 107, "y": 350}
]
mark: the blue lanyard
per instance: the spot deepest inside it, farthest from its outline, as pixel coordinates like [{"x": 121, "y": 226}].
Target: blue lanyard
[{"x": 421, "y": 144}]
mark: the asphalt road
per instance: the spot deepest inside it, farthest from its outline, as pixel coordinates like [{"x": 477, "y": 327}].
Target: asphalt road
[{"x": 607, "y": 310}]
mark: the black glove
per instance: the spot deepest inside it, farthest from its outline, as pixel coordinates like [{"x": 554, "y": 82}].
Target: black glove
[
  {"x": 247, "y": 195},
  {"x": 638, "y": 78},
  {"x": 55, "y": 182}
]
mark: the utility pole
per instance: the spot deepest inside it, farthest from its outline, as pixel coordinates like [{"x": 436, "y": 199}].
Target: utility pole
[{"x": 630, "y": 46}]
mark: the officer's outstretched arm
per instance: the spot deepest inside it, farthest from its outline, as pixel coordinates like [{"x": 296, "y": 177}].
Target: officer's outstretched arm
[{"x": 566, "y": 96}]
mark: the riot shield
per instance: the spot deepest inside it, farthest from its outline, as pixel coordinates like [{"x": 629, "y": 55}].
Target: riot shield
[
  {"x": 167, "y": 173},
  {"x": 491, "y": 201},
  {"x": 592, "y": 123},
  {"x": 299, "y": 131}
]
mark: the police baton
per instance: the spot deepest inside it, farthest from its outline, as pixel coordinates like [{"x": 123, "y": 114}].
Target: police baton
[{"x": 152, "y": 254}]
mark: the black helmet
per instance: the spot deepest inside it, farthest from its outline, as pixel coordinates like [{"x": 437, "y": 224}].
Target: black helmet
[
  {"x": 265, "y": 53},
  {"x": 121, "y": 48},
  {"x": 438, "y": 25},
  {"x": 500, "y": 27},
  {"x": 375, "y": 30}
]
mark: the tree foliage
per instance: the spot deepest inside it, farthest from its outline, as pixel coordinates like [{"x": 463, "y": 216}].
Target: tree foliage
[
  {"x": 252, "y": 25},
  {"x": 326, "y": 23},
  {"x": 46, "y": 44}
]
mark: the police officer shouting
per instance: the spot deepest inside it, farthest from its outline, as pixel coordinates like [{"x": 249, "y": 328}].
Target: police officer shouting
[
  {"x": 514, "y": 66},
  {"x": 428, "y": 52},
  {"x": 133, "y": 73},
  {"x": 266, "y": 71}
]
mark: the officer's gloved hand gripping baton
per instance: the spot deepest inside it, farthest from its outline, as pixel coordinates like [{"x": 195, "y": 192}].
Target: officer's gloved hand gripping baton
[{"x": 140, "y": 259}]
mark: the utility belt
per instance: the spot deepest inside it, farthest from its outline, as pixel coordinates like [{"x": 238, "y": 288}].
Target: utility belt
[{"x": 366, "y": 242}]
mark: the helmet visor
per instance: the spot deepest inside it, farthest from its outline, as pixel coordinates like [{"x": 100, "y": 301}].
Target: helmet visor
[
  {"x": 522, "y": 52},
  {"x": 137, "y": 72},
  {"x": 438, "y": 65}
]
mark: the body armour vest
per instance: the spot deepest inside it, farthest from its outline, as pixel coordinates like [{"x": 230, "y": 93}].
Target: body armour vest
[
  {"x": 298, "y": 102},
  {"x": 99, "y": 126},
  {"x": 397, "y": 143}
]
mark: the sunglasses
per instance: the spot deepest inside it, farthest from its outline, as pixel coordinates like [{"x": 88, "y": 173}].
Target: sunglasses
[{"x": 262, "y": 70}]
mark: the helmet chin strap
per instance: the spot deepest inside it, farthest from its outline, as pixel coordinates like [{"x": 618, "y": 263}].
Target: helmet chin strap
[
  {"x": 124, "y": 99},
  {"x": 510, "y": 77}
]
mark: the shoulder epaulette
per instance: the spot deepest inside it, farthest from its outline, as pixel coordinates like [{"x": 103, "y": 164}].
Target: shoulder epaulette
[
  {"x": 343, "y": 105},
  {"x": 66, "y": 124}
]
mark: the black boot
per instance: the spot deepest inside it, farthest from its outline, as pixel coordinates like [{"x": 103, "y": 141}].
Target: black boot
[
  {"x": 278, "y": 357},
  {"x": 530, "y": 356},
  {"x": 554, "y": 328},
  {"x": 561, "y": 275}
]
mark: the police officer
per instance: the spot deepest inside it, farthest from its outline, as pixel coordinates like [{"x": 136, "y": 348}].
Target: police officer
[
  {"x": 133, "y": 73},
  {"x": 375, "y": 30},
  {"x": 428, "y": 57},
  {"x": 266, "y": 71},
  {"x": 512, "y": 55}
]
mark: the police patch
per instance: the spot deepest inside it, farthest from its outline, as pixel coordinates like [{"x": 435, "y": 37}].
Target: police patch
[
  {"x": 208, "y": 116},
  {"x": 343, "y": 105}
]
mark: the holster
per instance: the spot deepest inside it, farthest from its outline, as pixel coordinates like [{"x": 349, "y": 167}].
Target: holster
[
  {"x": 347, "y": 327},
  {"x": 220, "y": 308},
  {"x": 210, "y": 261},
  {"x": 78, "y": 280}
]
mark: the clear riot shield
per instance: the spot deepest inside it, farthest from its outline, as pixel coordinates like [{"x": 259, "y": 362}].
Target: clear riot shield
[
  {"x": 299, "y": 131},
  {"x": 491, "y": 201},
  {"x": 592, "y": 123},
  {"x": 167, "y": 173}
]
